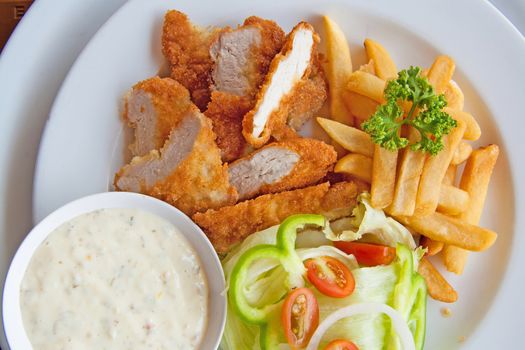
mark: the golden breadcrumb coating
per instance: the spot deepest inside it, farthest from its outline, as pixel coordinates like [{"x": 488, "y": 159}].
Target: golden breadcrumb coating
[
  {"x": 229, "y": 225},
  {"x": 187, "y": 49}
]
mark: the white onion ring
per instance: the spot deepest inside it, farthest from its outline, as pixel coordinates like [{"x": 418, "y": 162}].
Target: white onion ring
[{"x": 400, "y": 326}]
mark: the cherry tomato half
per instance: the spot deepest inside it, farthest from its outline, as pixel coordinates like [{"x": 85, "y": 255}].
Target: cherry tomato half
[
  {"x": 341, "y": 344},
  {"x": 300, "y": 317},
  {"x": 368, "y": 254},
  {"x": 330, "y": 276}
]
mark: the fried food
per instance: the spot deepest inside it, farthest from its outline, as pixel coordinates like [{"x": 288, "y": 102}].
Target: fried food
[
  {"x": 308, "y": 97},
  {"x": 226, "y": 112},
  {"x": 437, "y": 286},
  {"x": 409, "y": 173},
  {"x": 281, "y": 166},
  {"x": 384, "y": 66},
  {"x": 241, "y": 61},
  {"x": 441, "y": 73},
  {"x": 433, "y": 247},
  {"x": 229, "y": 225},
  {"x": 186, "y": 172},
  {"x": 449, "y": 230},
  {"x": 282, "y": 87},
  {"x": 384, "y": 165},
  {"x": 242, "y": 56},
  {"x": 187, "y": 49},
  {"x": 434, "y": 171},
  {"x": 339, "y": 69},
  {"x": 462, "y": 153},
  {"x": 152, "y": 108},
  {"x": 452, "y": 200},
  {"x": 350, "y": 138},
  {"x": 356, "y": 165},
  {"x": 475, "y": 181}
]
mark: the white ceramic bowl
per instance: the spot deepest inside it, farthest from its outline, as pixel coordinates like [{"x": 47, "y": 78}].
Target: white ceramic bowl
[{"x": 12, "y": 316}]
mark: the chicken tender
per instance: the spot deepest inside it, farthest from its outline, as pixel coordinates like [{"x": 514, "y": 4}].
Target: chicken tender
[
  {"x": 282, "y": 87},
  {"x": 241, "y": 61},
  {"x": 308, "y": 98},
  {"x": 187, "y": 49},
  {"x": 187, "y": 172},
  {"x": 226, "y": 112},
  {"x": 152, "y": 109},
  {"x": 281, "y": 166},
  {"x": 229, "y": 225},
  {"x": 242, "y": 56}
]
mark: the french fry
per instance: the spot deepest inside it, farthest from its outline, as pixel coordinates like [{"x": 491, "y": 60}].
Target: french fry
[
  {"x": 352, "y": 139},
  {"x": 454, "y": 96},
  {"x": 434, "y": 171},
  {"x": 356, "y": 165},
  {"x": 367, "y": 85},
  {"x": 472, "y": 130},
  {"x": 452, "y": 200},
  {"x": 437, "y": 287},
  {"x": 449, "y": 230},
  {"x": 360, "y": 106},
  {"x": 339, "y": 69},
  {"x": 450, "y": 175},
  {"x": 441, "y": 72},
  {"x": 384, "y": 66},
  {"x": 410, "y": 168},
  {"x": 462, "y": 153},
  {"x": 368, "y": 67},
  {"x": 433, "y": 247},
  {"x": 475, "y": 181},
  {"x": 384, "y": 165}
]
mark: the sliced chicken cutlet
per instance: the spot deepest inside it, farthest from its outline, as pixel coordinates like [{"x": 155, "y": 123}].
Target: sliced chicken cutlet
[
  {"x": 187, "y": 49},
  {"x": 281, "y": 166},
  {"x": 187, "y": 172},
  {"x": 229, "y": 225},
  {"x": 308, "y": 98},
  {"x": 242, "y": 56},
  {"x": 241, "y": 60},
  {"x": 283, "y": 88},
  {"x": 152, "y": 108}
]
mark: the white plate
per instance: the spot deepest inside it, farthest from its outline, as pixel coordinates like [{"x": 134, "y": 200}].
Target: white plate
[{"x": 82, "y": 147}]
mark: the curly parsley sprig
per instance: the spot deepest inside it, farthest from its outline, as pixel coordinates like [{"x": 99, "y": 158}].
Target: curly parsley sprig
[{"x": 426, "y": 114}]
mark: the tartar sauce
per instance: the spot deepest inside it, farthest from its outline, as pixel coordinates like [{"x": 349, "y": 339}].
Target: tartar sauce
[{"x": 115, "y": 279}]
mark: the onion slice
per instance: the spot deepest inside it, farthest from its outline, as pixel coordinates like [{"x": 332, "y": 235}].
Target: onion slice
[{"x": 398, "y": 322}]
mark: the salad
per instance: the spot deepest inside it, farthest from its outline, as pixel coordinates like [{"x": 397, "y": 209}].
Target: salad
[{"x": 304, "y": 284}]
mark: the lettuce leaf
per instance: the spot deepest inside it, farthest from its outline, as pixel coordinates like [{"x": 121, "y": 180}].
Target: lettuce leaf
[{"x": 366, "y": 220}]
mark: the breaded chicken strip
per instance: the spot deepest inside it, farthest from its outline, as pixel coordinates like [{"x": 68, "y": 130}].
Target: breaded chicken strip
[
  {"x": 241, "y": 61},
  {"x": 229, "y": 225},
  {"x": 282, "y": 87},
  {"x": 187, "y": 172},
  {"x": 226, "y": 112},
  {"x": 281, "y": 166},
  {"x": 308, "y": 98},
  {"x": 187, "y": 49},
  {"x": 152, "y": 108},
  {"x": 242, "y": 56}
]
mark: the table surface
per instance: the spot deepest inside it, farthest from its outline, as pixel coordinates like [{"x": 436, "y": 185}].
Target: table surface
[{"x": 17, "y": 153}]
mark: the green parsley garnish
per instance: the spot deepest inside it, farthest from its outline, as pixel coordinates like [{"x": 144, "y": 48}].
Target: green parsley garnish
[{"x": 426, "y": 114}]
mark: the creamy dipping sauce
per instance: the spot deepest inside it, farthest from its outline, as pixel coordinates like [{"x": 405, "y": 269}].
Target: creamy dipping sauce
[{"x": 115, "y": 279}]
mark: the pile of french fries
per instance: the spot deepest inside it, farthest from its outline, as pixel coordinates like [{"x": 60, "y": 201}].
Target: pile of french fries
[{"x": 425, "y": 193}]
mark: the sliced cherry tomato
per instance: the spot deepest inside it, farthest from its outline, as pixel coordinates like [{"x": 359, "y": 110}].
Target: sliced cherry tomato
[
  {"x": 368, "y": 254},
  {"x": 341, "y": 344},
  {"x": 330, "y": 276},
  {"x": 300, "y": 317}
]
